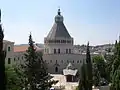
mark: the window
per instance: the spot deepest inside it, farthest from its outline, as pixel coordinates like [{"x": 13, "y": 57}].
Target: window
[
  {"x": 18, "y": 58},
  {"x": 61, "y": 61},
  {"x": 66, "y": 50},
  {"x": 50, "y": 61},
  {"x": 69, "y": 50},
  {"x": 78, "y": 61},
  {"x": 59, "y": 51},
  {"x": 9, "y": 60},
  {"x": 54, "y": 51},
  {"x": 73, "y": 61},
  {"x": 56, "y": 69},
  {"x": 56, "y": 61},
  {"x": 14, "y": 59},
  {"x": 9, "y": 48}
]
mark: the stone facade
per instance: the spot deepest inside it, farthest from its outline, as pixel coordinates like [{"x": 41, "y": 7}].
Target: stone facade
[
  {"x": 8, "y": 46},
  {"x": 59, "y": 49}
]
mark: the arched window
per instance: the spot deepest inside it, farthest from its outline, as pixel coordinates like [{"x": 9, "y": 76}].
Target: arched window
[
  {"x": 9, "y": 60},
  {"x": 69, "y": 50},
  {"x": 56, "y": 61},
  {"x": 9, "y": 48},
  {"x": 73, "y": 61},
  {"x": 66, "y": 50},
  {"x": 54, "y": 51},
  {"x": 56, "y": 69},
  {"x": 59, "y": 51}
]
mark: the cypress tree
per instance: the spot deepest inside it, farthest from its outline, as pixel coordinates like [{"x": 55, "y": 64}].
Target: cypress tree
[
  {"x": 2, "y": 59},
  {"x": 89, "y": 68},
  {"x": 35, "y": 70},
  {"x": 83, "y": 79},
  {"x": 115, "y": 74}
]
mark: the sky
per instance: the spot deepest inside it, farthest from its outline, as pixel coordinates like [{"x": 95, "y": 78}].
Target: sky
[{"x": 96, "y": 21}]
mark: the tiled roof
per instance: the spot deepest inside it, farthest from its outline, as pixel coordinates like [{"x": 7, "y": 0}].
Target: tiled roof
[
  {"x": 23, "y": 48},
  {"x": 20, "y": 48}
]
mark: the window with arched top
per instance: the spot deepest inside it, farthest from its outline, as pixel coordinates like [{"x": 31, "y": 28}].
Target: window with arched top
[
  {"x": 8, "y": 48},
  {"x": 54, "y": 51},
  {"x": 59, "y": 51},
  {"x": 73, "y": 61},
  {"x": 66, "y": 50},
  {"x": 69, "y": 50},
  {"x": 9, "y": 60},
  {"x": 56, "y": 69}
]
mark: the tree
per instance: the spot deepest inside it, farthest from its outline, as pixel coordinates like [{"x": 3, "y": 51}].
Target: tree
[
  {"x": 96, "y": 75},
  {"x": 99, "y": 61},
  {"x": 83, "y": 80},
  {"x": 115, "y": 73},
  {"x": 15, "y": 81},
  {"x": 109, "y": 61},
  {"x": 2, "y": 59},
  {"x": 35, "y": 70},
  {"x": 89, "y": 68}
]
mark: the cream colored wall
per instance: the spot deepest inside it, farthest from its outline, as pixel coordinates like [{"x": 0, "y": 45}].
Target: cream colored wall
[
  {"x": 62, "y": 48},
  {"x": 66, "y": 58},
  {"x": 9, "y": 54},
  {"x": 19, "y": 57}
]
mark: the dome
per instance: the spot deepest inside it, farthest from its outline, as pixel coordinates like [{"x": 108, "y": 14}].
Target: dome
[
  {"x": 59, "y": 17},
  {"x": 58, "y": 30}
]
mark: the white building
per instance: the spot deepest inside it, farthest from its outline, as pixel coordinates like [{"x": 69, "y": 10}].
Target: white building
[
  {"x": 58, "y": 48},
  {"x": 8, "y": 46}
]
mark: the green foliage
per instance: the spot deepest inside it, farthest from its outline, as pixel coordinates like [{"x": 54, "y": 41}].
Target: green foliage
[
  {"x": 85, "y": 82},
  {"x": 96, "y": 75},
  {"x": 99, "y": 61},
  {"x": 115, "y": 74},
  {"x": 35, "y": 70},
  {"x": 83, "y": 79},
  {"x": 89, "y": 69},
  {"x": 109, "y": 61},
  {"x": 14, "y": 79}
]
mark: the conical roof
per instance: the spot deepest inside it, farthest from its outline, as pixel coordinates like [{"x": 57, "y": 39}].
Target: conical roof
[{"x": 58, "y": 30}]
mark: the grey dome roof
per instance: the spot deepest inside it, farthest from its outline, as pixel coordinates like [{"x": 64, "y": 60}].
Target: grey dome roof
[{"x": 58, "y": 29}]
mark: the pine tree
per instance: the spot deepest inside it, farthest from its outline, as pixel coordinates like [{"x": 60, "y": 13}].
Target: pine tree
[
  {"x": 89, "y": 68},
  {"x": 115, "y": 74},
  {"x": 83, "y": 79},
  {"x": 35, "y": 70},
  {"x": 2, "y": 59}
]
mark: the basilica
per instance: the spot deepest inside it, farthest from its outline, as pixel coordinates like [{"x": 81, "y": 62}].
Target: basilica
[
  {"x": 58, "y": 51},
  {"x": 58, "y": 48}
]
